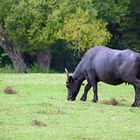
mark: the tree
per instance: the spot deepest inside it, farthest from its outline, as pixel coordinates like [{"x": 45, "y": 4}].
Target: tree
[
  {"x": 82, "y": 27},
  {"x": 130, "y": 27},
  {"x": 113, "y": 12},
  {"x": 34, "y": 26},
  {"x": 5, "y": 42},
  {"x": 82, "y": 32}
]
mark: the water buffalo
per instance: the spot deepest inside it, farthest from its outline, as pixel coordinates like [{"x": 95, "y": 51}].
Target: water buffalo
[{"x": 110, "y": 66}]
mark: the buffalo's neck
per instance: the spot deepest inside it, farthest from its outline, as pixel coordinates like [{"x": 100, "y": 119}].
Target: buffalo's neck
[{"x": 79, "y": 74}]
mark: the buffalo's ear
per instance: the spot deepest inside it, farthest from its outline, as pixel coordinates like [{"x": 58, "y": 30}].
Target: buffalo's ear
[{"x": 71, "y": 79}]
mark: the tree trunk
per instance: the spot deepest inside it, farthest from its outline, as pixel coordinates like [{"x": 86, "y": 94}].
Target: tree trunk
[
  {"x": 44, "y": 59},
  {"x": 14, "y": 54}
]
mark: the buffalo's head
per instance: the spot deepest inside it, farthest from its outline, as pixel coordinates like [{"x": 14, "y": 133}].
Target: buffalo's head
[{"x": 73, "y": 86}]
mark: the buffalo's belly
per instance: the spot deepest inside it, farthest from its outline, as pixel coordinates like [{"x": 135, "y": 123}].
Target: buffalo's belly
[
  {"x": 110, "y": 78},
  {"x": 112, "y": 82}
]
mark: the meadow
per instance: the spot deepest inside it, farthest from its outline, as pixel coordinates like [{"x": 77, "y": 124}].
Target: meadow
[{"x": 39, "y": 111}]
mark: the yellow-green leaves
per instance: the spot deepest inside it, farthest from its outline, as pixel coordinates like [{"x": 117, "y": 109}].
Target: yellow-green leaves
[
  {"x": 84, "y": 31},
  {"x": 33, "y": 24}
]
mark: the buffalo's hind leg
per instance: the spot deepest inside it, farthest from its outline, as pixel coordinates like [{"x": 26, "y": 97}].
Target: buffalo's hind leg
[
  {"x": 87, "y": 88},
  {"x": 136, "y": 83},
  {"x": 137, "y": 97}
]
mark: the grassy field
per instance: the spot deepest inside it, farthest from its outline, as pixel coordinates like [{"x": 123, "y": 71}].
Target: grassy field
[{"x": 39, "y": 111}]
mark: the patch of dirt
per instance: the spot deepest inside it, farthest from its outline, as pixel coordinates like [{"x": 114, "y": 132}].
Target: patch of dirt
[
  {"x": 38, "y": 123},
  {"x": 10, "y": 90},
  {"x": 112, "y": 101}
]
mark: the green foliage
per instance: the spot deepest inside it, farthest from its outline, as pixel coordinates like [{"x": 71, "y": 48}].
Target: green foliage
[
  {"x": 32, "y": 25},
  {"x": 2, "y": 58},
  {"x": 64, "y": 57},
  {"x": 7, "y": 69},
  {"x": 111, "y": 11},
  {"x": 45, "y": 24},
  {"x": 129, "y": 27},
  {"x": 123, "y": 17},
  {"x": 36, "y": 24},
  {"x": 5, "y": 9},
  {"x": 35, "y": 68},
  {"x": 83, "y": 31},
  {"x": 82, "y": 28},
  {"x": 17, "y": 24}
]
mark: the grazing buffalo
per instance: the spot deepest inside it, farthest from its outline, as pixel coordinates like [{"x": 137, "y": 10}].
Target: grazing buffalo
[{"x": 107, "y": 65}]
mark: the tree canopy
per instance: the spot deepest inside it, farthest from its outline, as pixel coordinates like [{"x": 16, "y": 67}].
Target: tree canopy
[
  {"x": 29, "y": 26},
  {"x": 41, "y": 23}
]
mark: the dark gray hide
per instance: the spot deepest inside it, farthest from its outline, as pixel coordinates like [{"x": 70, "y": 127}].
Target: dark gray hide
[{"x": 107, "y": 65}]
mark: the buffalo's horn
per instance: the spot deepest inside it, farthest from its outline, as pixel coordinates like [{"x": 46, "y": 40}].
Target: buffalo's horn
[{"x": 67, "y": 73}]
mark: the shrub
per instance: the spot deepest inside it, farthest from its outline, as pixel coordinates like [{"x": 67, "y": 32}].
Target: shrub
[
  {"x": 35, "y": 68},
  {"x": 7, "y": 69}
]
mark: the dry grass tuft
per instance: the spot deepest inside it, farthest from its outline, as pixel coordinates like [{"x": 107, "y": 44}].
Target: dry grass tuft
[
  {"x": 9, "y": 90},
  {"x": 37, "y": 123},
  {"x": 112, "y": 101}
]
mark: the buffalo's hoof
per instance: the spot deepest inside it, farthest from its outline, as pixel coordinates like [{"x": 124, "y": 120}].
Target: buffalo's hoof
[
  {"x": 94, "y": 101},
  {"x": 71, "y": 99},
  {"x": 136, "y": 103},
  {"x": 83, "y": 99}
]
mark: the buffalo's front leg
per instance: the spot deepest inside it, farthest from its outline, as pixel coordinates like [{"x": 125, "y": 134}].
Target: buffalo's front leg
[
  {"x": 93, "y": 82},
  {"x": 87, "y": 88}
]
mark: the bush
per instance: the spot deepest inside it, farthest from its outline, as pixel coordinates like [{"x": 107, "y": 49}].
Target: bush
[
  {"x": 7, "y": 69},
  {"x": 35, "y": 68}
]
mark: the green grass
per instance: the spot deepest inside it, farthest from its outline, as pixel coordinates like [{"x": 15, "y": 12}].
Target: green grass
[{"x": 42, "y": 98}]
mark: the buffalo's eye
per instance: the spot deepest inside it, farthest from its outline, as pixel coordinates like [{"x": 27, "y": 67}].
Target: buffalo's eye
[{"x": 67, "y": 84}]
